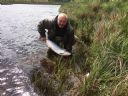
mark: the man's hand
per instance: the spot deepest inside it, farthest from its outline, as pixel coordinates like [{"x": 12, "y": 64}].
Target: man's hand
[{"x": 42, "y": 39}]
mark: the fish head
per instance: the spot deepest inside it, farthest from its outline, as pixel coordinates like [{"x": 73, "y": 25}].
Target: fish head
[{"x": 65, "y": 53}]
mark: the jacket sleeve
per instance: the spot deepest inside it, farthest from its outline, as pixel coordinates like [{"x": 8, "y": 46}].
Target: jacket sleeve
[
  {"x": 41, "y": 28},
  {"x": 44, "y": 24},
  {"x": 71, "y": 35},
  {"x": 70, "y": 38}
]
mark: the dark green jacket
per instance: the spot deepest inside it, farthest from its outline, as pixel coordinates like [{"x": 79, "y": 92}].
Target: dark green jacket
[{"x": 66, "y": 33}]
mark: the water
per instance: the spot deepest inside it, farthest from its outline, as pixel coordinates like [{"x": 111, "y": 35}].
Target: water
[{"x": 20, "y": 49}]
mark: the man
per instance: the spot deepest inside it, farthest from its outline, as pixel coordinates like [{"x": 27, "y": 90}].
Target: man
[{"x": 59, "y": 31}]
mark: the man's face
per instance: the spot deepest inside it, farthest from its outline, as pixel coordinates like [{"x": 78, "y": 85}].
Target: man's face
[{"x": 61, "y": 21}]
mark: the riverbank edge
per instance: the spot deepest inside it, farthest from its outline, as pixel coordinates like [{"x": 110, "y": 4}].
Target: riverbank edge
[{"x": 34, "y": 3}]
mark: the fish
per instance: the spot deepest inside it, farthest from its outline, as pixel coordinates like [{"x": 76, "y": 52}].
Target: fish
[{"x": 54, "y": 47}]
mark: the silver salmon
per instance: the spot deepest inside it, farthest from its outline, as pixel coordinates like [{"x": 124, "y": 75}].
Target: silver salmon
[{"x": 55, "y": 47}]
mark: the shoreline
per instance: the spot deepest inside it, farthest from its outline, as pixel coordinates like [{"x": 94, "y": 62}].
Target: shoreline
[{"x": 36, "y": 3}]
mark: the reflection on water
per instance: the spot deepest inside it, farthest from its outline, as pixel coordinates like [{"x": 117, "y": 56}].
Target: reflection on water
[
  {"x": 20, "y": 48},
  {"x": 13, "y": 81}
]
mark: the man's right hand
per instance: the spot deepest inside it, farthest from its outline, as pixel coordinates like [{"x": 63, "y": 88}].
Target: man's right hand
[{"x": 42, "y": 39}]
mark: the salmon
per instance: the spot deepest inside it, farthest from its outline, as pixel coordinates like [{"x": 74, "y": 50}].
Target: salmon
[{"x": 57, "y": 49}]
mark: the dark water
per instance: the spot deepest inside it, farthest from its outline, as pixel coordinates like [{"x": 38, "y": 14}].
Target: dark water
[{"x": 20, "y": 49}]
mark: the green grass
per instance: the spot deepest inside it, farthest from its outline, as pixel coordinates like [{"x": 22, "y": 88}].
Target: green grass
[
  {"x": 105, "y": 25},
  {"x": 101, "y": 50},
  {"x": 60, "y": 81}
]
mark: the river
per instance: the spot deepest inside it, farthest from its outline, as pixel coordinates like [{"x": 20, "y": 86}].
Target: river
[{"x": 20, "y": 48}]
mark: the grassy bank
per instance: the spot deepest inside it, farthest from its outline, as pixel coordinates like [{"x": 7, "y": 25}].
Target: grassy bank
[
  {"x": 103, "y": 27},
  {"x": 101, "y": 51}
]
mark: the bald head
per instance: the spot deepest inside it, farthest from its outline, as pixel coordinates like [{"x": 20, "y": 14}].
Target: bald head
[{"x": 62, "y": 20}]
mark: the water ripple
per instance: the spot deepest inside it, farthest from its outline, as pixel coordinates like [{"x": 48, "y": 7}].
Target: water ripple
[{"x": 19, "y": 46}]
